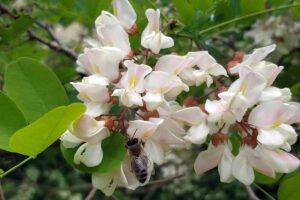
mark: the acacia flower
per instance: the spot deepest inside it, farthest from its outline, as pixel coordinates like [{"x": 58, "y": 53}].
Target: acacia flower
[
  {"x": 159, "y": 83},
  {"x": 125, "y": 13},
  {"x": 244, "y": 93},
  {"x": 273, "y": 120},
  {"x": 132, "y": 84},
  {"x": 218, "y": 154},
  {"x": 93, "y": 92},
  {"x": 111, "y": 33},
  {"x": 251, "y": 60},
  {"x": 156, "y": 135},
  {"x": 265, "y": 161},
  {"x": 102, "y": 61},
  {"x": 152, "y": 37},
  {"x": 207, "y": 67},
  {"x": 90, "y": 132}
]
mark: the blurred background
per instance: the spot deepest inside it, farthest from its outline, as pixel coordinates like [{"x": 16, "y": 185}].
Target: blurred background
[{"x": 53, "y": 32}]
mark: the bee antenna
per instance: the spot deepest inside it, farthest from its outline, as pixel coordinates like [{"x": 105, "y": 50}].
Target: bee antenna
[{"x": 134, "y": 133}]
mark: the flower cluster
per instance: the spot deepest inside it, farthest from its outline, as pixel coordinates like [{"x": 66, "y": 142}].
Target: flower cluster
[{"x": 260, "y": 114}]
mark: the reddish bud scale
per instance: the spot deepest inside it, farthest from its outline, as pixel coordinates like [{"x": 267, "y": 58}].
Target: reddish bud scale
[
  {"x": 153, "y": 114},
  {"x": 220, "y": 90},
  {"x": 219, "y": 138},
  {"x": 230, "y": 65},
  {"x": 109, "y": 123},
  {"x": 133, "y": 29},
  {"x": 190, "y": 101},
  {"x": 202, "y": 107},
  {"x": 250, "y": 141},
  {"x": 130, "y": 55},
  {"x": 238, "y": 56}
]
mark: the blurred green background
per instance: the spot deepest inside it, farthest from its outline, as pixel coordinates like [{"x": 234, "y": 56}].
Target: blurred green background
[{"x": 72, "y": 21}]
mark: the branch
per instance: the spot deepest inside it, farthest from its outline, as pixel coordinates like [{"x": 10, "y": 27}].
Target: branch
[
  {"x": 91, "y": 194},
  {"x": 32, "y": 36},
  {"x": 224, "y": 24},
  {"x": 265, "y": 192},
  {"x": 46, "y": 27},
  {"x": 15, "y": 167},
  {"x": 283, "y": 57},
  {"x": 68, "y": 52},
  {"x": 161, "y": 181},
  {"x": 251, "y": 193},
  {"x": 2, "y": 197}
]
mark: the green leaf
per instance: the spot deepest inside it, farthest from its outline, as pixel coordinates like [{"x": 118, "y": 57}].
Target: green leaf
[
  {"x": 203, "y": 5},
  {"x": 262, "y": 179},
  {"x": 1, "y": 171},
  {"x": 289, "y": 186},
  {"x": 36, "y": 137},
  {"x": 34, "y": 88},
  {"x": 247, "y": 7},
  {"x": 21, "y": 24},
  {"x": 12, "y": 120},
  {"x": 114, "y": 152},
  {"x": 186, "y": 11}
]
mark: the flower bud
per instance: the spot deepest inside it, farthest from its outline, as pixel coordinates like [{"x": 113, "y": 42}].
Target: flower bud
[
  {"x": 230, "y": 65},
  {"x": 219, "y": 138},
  {"x": 190, "y": 101},
  {"x": 133, "y": 29},
  {"x": 238, "y": 56}
]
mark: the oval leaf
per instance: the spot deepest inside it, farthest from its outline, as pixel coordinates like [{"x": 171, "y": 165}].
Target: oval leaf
[
  {"x": 34, "y": 88},
  {"x": 12, "y": 120},
  {"x": 113, "y": 155},
  {"x": 262, "y": 179},
  {"x": 289, "y": 187},
  {"x": 36, "y": 137}
]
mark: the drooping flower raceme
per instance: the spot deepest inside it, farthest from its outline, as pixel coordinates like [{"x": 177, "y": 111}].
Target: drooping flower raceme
[{"x": 133, "y": 93}]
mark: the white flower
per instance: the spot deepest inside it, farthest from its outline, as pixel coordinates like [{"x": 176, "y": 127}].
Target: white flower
[
  {"x": 111, "y": 33},
  {"x": 156, "y": 135},
  {"x": 244, "y": 93},
  {"x": 272, "y": 120},
  {"x": 275, "y": 94},
  {"x": 219, "y": 155},
  {"x": 125, "y": 13},
  {"x": 219, "y": 112},
  {"x": 123, "y": 176},
  {"x": 152, "y": 37},
  {"x": 159, "y": 83},
  {"x": 263, "y": 160},
  {"x": 90, "y": 132},
  {"x": 255, "y": 58},
  {"x": 93, "y": 92},
  {"x": 132, "y": 84},
  {"x": 208, "y": 67},
  {"x": 103, "y": 61}
]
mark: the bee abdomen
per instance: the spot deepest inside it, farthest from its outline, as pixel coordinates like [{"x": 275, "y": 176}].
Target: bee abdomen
[
  {"x": 139, "y": 166},
  {"x": 142, "y": 176}
]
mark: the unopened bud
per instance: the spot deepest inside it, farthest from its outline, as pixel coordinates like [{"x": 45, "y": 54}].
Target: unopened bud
[
  {"x": 109, "y": 123},
  {"x": 220, "y": 90},
  {"x": 250, "y": 141},
  {"x": 230, "y": 65},
  {"x": 238, "y": 56},
  {"x": 219, "y": 138},
  {"x": 133, "y": 29},
  {"x": 190, "y": 101}
]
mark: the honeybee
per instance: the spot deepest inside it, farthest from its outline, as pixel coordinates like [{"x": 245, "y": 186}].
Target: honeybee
[{"x": 139, "y": 161}]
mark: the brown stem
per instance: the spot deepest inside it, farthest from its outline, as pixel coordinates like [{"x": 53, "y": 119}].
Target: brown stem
[
  {"x": 68, "y": 52},
  {"x": 207, "y": 94},
  {"x": 91, "y": 194},
  {"x": 251, "y": 193},
  {"x": 2, "y": 197}
]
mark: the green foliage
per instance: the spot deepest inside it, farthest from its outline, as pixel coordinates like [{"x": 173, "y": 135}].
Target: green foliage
[
  {"x": 248, "y": 7},
  {"x": 186, "y": 11},
  {"x": 17, "y": 27},
  {"x": 262, "y": 179},
  {"x": 36, "y": 137},
  {"x": 11, "y": 120},
  {"x": 289, "y": 187},
  {"x": 114, "y": 152},
  {"x": 34, "y": 88}
]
